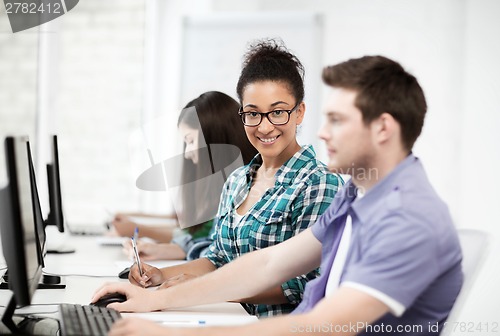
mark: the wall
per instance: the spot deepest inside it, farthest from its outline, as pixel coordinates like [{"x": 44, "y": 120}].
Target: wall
[
  {"x": 18, "y": 84},
  {"x": 479, "y": 151},
  {"x": 98, "y": 91},
  {"x": 91, "y": 82}
]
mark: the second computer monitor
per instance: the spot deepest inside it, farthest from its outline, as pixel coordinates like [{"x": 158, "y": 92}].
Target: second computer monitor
[{"x": 55, "y": 216}]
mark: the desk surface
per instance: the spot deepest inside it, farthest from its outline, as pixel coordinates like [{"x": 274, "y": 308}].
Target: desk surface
[{"x": 93, "y": 265}]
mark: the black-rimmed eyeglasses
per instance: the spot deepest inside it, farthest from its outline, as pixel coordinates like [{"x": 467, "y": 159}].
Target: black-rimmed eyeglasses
[{"x": 276, "y": 117}]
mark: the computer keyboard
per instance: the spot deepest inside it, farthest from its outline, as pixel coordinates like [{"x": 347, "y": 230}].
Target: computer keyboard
[{"x": 86, "y": 320}]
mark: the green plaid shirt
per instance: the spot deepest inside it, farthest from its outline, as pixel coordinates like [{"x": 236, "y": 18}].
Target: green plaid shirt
[{"x": 303, "y": 190}]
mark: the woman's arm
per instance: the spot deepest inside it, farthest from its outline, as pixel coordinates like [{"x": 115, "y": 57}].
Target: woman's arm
[
  {"x": 144, "y": 214},
  {"x": 125, "y": 227},
  {"x": 153, "y": 276}
]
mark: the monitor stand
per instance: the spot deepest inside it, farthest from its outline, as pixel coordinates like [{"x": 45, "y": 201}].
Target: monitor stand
[
  {"x": 46, "y": 282},
  {"x": 59, "y": 249},
  {"x": 8, "y": 314},
  {"x": 18, "y": 325}
]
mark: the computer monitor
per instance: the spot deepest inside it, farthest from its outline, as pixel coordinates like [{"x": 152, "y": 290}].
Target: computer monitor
[
  {"x": 55, "y": 216},
  {"x": 46, "y": 281},
  {"x": 17, "y": 229}
]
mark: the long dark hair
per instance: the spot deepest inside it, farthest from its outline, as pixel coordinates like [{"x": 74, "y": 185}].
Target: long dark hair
[{"x": 217, "y": 115}]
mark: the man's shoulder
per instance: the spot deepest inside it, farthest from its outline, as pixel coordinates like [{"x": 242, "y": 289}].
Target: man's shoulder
[{"x": 415, "y": 213}]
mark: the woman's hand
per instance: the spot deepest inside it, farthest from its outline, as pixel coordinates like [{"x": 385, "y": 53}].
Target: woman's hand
[
  {"x": 151, "y": 276},
  {"x": 123, "y": 226},
  {"x": 154, "y": 251}
]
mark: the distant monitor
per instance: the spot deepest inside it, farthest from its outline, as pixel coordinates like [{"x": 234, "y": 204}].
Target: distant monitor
[
  {"x": 55, "y": 216},
  {"x": 17, "y": 229}
]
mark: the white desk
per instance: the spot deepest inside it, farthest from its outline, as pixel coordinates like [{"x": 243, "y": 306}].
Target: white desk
[{"x": 105, "y": 262}]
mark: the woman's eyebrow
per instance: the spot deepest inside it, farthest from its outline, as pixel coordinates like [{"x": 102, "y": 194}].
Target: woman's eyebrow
[
  {"x": 278, "y": 103},
  {"x": 250, "y": 105},
  {"x": 272, "y": 105}
]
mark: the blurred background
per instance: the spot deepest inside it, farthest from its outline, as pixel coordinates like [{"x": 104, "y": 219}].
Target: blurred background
[{"x": 110, "y": 78}]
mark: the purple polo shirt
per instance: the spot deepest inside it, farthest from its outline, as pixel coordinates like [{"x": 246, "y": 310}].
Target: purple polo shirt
[{"x": 404, "y": 248}]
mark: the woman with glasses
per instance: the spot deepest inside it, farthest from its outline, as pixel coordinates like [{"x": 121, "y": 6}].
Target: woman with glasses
[{"x": 281, "y": 192}]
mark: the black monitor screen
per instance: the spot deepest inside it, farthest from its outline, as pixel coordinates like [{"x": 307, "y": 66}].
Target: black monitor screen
[
  {"x": 55, "y": 216},
  {"x": 17, "y": 227}
]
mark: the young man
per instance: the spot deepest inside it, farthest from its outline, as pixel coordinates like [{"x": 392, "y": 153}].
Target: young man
[{"x": 389, "y": 254}]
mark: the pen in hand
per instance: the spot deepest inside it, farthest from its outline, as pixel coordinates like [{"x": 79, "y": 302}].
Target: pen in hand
[
  {"x": 136, "y": 234},
  {"x": 136, "y": 252}
]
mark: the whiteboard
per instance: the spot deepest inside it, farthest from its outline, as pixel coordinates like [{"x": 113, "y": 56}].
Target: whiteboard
[{"x": 213, "y": 47}]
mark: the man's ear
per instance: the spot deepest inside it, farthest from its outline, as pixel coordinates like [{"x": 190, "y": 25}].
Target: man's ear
[
  {"x": 385, "y": 127},
  {"x": 301, "y": 110}
]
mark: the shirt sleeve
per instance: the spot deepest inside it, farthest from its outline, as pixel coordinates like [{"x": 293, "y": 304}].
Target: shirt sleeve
[
  {"x": 399, "y": 262},
  {"x": 294, "y": 288},
  {"x": 199, "y": 248},
  {"x": 215, "y": 255}
]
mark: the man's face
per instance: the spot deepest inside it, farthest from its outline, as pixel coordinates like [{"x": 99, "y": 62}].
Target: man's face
[{"x": 347, "y": 139}]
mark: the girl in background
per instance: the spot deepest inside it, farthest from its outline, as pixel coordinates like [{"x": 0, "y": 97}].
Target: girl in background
[{"x": 207, "y": 124}]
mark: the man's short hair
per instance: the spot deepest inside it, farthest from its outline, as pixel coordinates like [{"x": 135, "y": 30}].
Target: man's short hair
[{"x": 382, "y": 85}]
